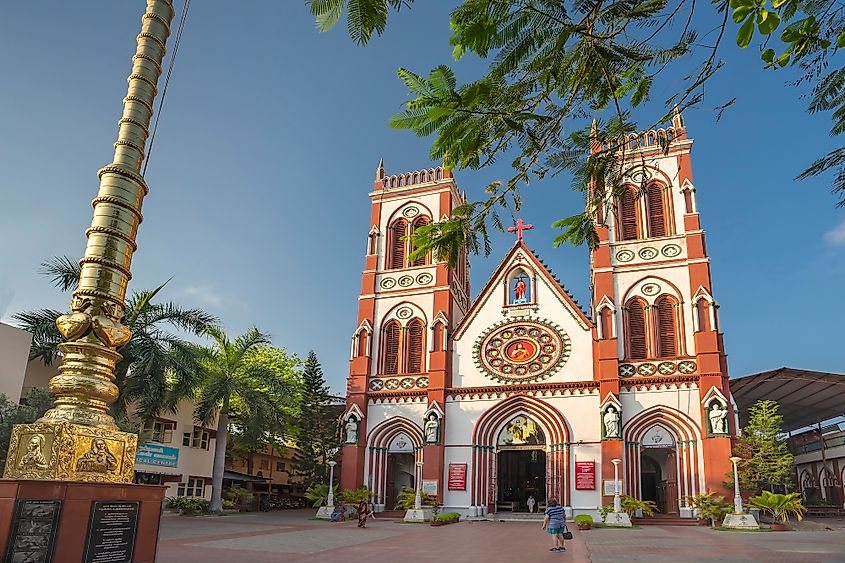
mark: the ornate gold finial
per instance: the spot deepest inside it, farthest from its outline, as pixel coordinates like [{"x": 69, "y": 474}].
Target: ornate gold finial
[{"x": 77, "y": 439}]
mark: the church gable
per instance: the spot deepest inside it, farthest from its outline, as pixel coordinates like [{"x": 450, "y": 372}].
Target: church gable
[{"x": 522, "y": 328}]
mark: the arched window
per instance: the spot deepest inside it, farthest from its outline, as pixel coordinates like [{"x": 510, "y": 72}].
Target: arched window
[
  {"x": 656, "y": 211},
  {"x": 637, "y": 348},
  {"x": 363, "y": 344},
  {"x": 666, "y": 323},
  {"x": 422, "y": 260},
  {"x": 372, "y": 244},
  {"x": 438, "y": 334},
  {"x": 416, "y": 346},
  {"x": 702, "y": 312},
  {"x": 628, "y": 215},
  {"x": 606, "y": 323},
  {"x": 688, "y": 200},
  {"x": 390, "y": 348},
  {"x": 397, "y": 244}
]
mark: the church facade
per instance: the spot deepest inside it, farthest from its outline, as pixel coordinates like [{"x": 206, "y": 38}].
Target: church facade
[{"x": 517, "y": 396}]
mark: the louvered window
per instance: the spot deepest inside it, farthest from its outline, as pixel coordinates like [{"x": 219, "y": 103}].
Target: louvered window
[
  {"x": 636, "y": 331},
  {"x": 422, "y": 260},
  {"x": 397, "y": 245},
  {"x": 416, "y": 338},
  {"x": 391, "y": 348},
  {"x": 628, "y": 215},
  {"x": 702, "y": 311},
  {"x": 656, "y": 212},
  {"x": 667, "y": 346}
]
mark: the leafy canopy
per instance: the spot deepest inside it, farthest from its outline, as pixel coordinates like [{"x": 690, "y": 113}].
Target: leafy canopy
[{"x": 766, "y": 459}]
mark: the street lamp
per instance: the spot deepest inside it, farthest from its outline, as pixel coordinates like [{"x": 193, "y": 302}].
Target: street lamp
[
  {"x": 330, "y": 500},
  {"x": 418, "y": 496},
  {"x": 737, "y": 496},
  {"x": 617, "y": 500}
]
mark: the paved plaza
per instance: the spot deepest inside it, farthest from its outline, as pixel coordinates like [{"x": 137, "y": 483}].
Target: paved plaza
[{"x": 292, "y": 536}]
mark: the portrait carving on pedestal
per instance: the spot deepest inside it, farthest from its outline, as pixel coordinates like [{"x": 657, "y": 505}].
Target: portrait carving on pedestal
[
  {"x": 611, "y": 421},
  {"x": 351, "y": 430},
  {"x": 718, "y": 417}
]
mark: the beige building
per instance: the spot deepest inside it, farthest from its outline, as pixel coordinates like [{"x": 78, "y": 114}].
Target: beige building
[
  {"x": 273, "y": 465},
  {"x": 14, "y": 351}
]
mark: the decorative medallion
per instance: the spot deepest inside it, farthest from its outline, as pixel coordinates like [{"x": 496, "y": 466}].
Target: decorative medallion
[
  {"x": 376, "y": 384},
  {"x": 671, "y": 250},
  {"x": 640, "y": 175},
  {"x": 404, "y": 313},
  {"x": 666, "y": 368},
  {"x": 651, "y": 289},
  {"x": 407, "y": 383},
  {"x": 392, "y": 384},
  {"x": 422, "y": 382},
  {"x": 406, "y": 281},
  {"x": 388, "y": 283},
  {"x": 647, "y": 253},
  {"x": 522, "y": 350},
  {"x": 425, "y": 278},
  {"x": 647, "y": 369},
  {"x": 686, "y": 367},
  {"x": 625, "y": 255},
  {"x": 627, "y": 370},
  {"x": 410, "y": 211}
]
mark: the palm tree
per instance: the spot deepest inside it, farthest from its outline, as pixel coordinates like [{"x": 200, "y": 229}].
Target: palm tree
[
  {"x": 158, "y": 366},
  {"x": 246, "y": 383}
]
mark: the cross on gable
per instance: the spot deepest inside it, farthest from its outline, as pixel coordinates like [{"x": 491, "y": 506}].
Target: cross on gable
[{"x": 520, "y": 227}]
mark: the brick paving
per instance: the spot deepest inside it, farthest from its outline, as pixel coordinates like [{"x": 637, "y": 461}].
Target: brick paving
[{"x": 291, "y": 536}]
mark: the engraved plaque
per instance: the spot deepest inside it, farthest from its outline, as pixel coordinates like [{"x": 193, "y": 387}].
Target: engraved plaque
[
  {"x": 33, "y": 531},
  {"x": 111, "y": 533}
]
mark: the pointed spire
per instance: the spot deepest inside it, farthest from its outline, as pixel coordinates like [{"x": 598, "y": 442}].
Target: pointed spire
[
  {"x": 380, "y": 170},
  {"x": 677, "y": 118},
  {"x": 594, "y": 130}
]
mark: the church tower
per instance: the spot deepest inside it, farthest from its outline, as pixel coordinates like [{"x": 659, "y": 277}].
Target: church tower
[
  {"x": 656, "y": 324},
  {"x": 400, "y": 349}
]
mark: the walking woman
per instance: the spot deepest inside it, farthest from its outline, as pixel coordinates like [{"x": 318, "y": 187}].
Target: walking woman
[
  {"x": 363, "y": 509},
  {"x": 554, "y": 522}
]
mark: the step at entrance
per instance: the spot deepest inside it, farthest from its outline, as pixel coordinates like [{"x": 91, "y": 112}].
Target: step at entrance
[{"x": 664, "y": 520}]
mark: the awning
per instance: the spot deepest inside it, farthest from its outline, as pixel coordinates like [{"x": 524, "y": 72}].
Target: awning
[
  {"x": 805, "y": 397},
  {"x": 235, "y": 476}
]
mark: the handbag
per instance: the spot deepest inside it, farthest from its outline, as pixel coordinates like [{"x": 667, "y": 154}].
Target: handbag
[{"x": 567, "y": 535}]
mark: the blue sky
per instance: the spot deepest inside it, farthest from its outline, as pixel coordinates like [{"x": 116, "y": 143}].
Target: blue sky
[{"x": 266, "y": 151}]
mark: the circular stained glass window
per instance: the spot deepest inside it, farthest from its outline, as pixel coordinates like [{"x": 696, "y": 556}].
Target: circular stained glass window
[{"x": 522, "y": 351}]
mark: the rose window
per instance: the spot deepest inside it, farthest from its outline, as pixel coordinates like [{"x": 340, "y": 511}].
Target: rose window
[{"x": 522, "y": 351}]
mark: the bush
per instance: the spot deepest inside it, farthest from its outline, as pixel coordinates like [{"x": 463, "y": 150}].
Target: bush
[
  {"x": 229, "y": 505},
  {"x": 448, "y": 516},
  {"x": 584, "y": 519},
  {"x": 238, "y": 495},
  {"x": 604, "y": 511},
  {"x": 319, "y": 495},
  {"x": 631, "y": 505},
  {"x": 190, "y": 506},
  {"x": 710, "y": 506},
  {"x": 354, "y": 496},
  {"x": 408, "y": 495}
]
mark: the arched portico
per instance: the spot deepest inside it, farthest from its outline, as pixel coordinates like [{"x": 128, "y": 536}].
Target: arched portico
[
  {"x": 386, "y": 442},
  {"x": 487, "y": 431}
]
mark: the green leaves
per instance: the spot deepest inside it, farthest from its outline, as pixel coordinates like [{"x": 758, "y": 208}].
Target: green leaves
[{"x": 363, "y": 17}]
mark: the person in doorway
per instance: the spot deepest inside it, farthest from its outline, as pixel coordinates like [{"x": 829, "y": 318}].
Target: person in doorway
[
  {"x": 363, "y": 509},
  {"x": 554, "y": 522},
  {"x": 530, "y": 502}
]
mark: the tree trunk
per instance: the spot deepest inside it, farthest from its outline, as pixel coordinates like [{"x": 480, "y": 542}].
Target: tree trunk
[
  {"x": 249, "y": 462},
  {"x": 219, "y": 462}
]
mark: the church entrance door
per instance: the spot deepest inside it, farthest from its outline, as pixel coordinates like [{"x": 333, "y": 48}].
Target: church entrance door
[
  {"x": 658, "y": 478},
  {"x": 521, "y": 474},
  {"x": 400, "y": 474}
]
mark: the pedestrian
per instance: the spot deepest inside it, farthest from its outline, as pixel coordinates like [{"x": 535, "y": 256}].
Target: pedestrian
[
  {"x": 363, "y": 511},
  {"x": 530, "y": 502},
  {"x": 554, "y": 522}
]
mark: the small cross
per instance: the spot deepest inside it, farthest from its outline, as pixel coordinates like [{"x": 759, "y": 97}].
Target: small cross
[{"x": 520, "y": 226}]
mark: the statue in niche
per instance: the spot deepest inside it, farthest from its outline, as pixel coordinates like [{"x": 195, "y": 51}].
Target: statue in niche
[
  {"x": 98, "y": 459},
  {"x": 718, "y": 417},
  {"x": 34, "y": 456},
  {"x": 351, "y": 428},
  {"x": 432, "y": 429},
  {"x": 520, "y": 290},
  {"x": 611, "y": 423}
]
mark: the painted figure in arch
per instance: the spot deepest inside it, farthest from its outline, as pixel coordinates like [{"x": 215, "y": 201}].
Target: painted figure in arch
[
  {"x": 520, "y": 353},
  {"x": 611, "y": 423},
  {"x": 718, "y": 416},
  {"x": 351, "y": 428},
  {"x": 432, "y": 429}
]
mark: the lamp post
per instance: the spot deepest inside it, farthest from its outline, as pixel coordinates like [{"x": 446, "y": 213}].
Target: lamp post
[
  {"x": 418, "y": 496},
  {"x": 737, "y": 496},
  {"x": 330, "y": 499},
  {"x": 617, "y": 500}
]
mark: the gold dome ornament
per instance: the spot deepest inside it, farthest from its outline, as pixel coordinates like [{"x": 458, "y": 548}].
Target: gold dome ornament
[
  {"x": 73, "y": 325},
  {"x": 109, "y": 332}
]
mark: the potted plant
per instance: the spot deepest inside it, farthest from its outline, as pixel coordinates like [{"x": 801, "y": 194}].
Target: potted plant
[
  {"x": 446, "y": 518},
  {"x": 584, "y": 521},
  {"x": 712, "y": 508},
  {"x": 631, "y": 505},
  {"x": 779, "y": 507}
]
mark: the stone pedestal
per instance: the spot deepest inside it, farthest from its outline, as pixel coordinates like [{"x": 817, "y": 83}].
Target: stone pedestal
[
  {"x": 422, "y": 515},
  {"x": 324, "y": 513},
  {"x": 73, "y": 522},
  {"x": 620, "y": 519},
  {"x": 740, "y": 522}
]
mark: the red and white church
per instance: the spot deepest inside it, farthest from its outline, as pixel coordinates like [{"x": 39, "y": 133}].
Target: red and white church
[{"x": 518, "y": 394}]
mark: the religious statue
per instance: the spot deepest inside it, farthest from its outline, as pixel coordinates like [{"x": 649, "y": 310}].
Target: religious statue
[
  {"x": 351, "y": 430},
  {"x": 432, "y": 429},
  {"x": 718, "y": 416},
  {"x": 611, "y": 423},
  {"x": 519, "y": 289},
  {"x": 98, "y": 459},
  {"x": 34, "y": 456}
]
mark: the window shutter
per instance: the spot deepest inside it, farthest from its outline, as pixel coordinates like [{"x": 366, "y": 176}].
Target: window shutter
[
  {"x": 397, "y": 244},
  {"x": 391, "y": 348},
  {"x": 636, "y": 331},
  {"x": 421, "y": 261},
  {"x": 629, "y": 215},
  {"x": 656, "y": 213},
  {"x": 416, "y": 336},
  {"x": 666, "y": 342}
]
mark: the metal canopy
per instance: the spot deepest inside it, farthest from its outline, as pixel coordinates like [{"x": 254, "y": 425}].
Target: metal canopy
[{"x": 805, "y": 397}]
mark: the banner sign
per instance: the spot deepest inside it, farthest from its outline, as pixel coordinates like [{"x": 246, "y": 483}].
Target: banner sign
[
  {"x": 153, "y": 454},
  {"x": 457, "y": 476},
  {"x": 585, "y": 475}
]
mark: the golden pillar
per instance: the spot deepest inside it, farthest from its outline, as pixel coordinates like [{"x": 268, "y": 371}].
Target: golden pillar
[{"x": 77, "y": 439}]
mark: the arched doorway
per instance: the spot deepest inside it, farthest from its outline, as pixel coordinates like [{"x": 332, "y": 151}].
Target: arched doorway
[
  {"x": 401, "y": 469},
  {"x": 658, "y": 469},
  {"x": 394, "y": 448},
  {"x": 521, "y": 465}
]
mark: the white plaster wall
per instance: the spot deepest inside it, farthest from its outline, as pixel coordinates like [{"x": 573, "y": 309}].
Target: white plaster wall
[
  {"x": 14, "y": 351},
  {"x": 379, "y": 412},
  {"x": 685, "y": 400}
]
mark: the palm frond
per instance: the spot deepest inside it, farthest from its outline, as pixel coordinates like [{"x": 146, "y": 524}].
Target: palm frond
[{"x": 63, "y": 271}]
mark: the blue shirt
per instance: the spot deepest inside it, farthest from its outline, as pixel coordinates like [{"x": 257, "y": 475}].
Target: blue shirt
[{"x": 556, "y": 515}]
